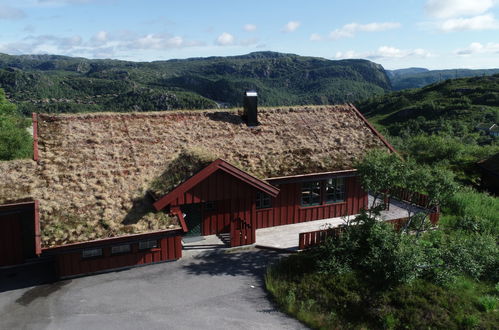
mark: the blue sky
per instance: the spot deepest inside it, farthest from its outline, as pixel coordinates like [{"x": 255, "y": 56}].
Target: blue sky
[{"x": 437, "y": 34}]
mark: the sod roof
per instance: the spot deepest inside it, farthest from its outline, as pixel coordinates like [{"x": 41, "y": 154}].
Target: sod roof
[{"x": 94, "y": 169}]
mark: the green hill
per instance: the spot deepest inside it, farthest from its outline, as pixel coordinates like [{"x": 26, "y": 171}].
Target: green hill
[
  {"x": 436, "y": 124},
  {"x": 420, "y": 77},
  {"x": 52, "y": 83},
  {"x": 453, "y": 106}
]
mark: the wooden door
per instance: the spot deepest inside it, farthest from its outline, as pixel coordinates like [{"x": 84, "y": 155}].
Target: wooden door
[{"x": 11, "y": 244}]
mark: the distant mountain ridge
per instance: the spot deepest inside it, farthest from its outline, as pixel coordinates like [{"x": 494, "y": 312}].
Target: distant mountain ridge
[
  {"x": 420, "y": 77},
  {"x": 53, "y": 83}
]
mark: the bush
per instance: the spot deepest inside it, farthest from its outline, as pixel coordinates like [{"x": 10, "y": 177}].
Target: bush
[
  {"x": 471, "y": 209},
  {"x": 374, "y": 250},
  {"x": 448, "y": 255},
  {"x": 15, "y": 141}
]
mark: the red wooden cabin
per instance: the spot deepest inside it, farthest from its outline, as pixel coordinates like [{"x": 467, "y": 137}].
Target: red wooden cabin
[{"x": 93, "y": 176}]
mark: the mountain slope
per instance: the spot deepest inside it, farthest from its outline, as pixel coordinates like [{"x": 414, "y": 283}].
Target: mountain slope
[
  {"x": 52, "y": 83},
  {"x": 454, "y": 106},
  {"x": 420, "y": 77}
]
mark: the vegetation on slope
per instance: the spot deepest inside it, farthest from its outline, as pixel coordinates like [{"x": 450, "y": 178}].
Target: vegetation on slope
[
  {"x": 15, "y": 141},
  {"x": 48, "y": 83},
  {"x": 436, "y": 124},
  {"x": 374, "y": 277},
  {"x": 419, "y": 77}
]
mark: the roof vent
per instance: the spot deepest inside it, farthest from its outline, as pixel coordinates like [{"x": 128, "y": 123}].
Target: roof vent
[{"x": 250, "y": 114}]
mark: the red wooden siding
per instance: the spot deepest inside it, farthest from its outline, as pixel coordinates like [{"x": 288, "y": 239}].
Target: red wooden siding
[
  {"x": 235, "y": 199},
  {"x": 11, "y": 239},
  {"x": 18, "y": 232},
  {"x": 312, "y": 238},
  {"x": 72, "y": 263},
  {"x": 241, "y": 233},
  {"x": 286, "y": 208}
]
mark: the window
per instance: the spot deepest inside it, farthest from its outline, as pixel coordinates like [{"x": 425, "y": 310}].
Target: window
[
  {"x": 263, "y": 200},
  {"x": 89, "y": 253},
  {"x": 148, "y": 244},
  {"x": 323, "y": 192},
  {"x": 311, "y": 193},
  {"x": 335, "y": 190},
  {"x": 209, "y": 206},
  {"x": 124, "y": 248}
]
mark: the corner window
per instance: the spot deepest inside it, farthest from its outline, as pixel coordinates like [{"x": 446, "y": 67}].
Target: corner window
[
  {"x": 335, "y": 190},
  {"x": 90, "y": 253},
  {"x": 263, "y": 200},
  {"x": 311, "y": 193},
  {"x": 124, "y": 248},
  {"x": 151, "y": 244}
]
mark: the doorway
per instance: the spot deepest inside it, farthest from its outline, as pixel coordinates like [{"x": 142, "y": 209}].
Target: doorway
[{"x": 193, "y": 219}]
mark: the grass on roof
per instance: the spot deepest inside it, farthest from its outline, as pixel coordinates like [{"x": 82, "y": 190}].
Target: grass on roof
[{"x": 188, "y": 162}]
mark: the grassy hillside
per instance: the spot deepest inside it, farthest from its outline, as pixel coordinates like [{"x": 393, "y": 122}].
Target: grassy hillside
[
  {"x": 49, "y": 83},
  {"x": 436, "y": 124},
  {"x": 452, "y": 106},
  {"x": 420, "y": 77}
]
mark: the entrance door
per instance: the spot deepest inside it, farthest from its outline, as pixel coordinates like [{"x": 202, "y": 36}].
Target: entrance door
[
  {"x": 11, "y": 243},
  {"x": 193, "y": 219}
]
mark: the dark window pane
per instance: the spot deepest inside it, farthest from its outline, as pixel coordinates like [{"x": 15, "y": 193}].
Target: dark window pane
[
  {"x": 311, "y": 193},
  {"x": 335, "y": 190},
  {"x": 263, "y": 200}
]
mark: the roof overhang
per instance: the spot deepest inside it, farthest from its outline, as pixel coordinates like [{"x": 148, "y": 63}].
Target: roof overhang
[
  {"x": 311, "y": 176},
  {"x": 224, "y": 166}
]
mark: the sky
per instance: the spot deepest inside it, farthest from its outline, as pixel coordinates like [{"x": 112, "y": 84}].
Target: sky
[{"x": 435, "y": 34}]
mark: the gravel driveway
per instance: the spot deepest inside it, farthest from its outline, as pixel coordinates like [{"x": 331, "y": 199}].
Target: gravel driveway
[{"x": 210, "y": 290}]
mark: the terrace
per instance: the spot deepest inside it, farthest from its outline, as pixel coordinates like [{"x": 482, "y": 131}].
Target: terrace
[{"x": 286, "y": 237}]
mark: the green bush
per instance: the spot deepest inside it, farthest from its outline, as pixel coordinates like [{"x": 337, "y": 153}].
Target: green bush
[
  {"x": 380, "y": 255},
  {"x": 15, "y": 141}
]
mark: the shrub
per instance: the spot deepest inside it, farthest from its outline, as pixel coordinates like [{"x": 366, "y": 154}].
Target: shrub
[{"x": 374, "y": 250}]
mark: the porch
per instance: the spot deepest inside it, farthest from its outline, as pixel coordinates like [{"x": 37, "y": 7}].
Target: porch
[{"x": 286, "y": 236}]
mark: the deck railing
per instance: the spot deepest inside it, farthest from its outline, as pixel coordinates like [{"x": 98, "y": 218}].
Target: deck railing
[
  {"x": 241, "y": 233},
  {"x": 312, "y": 238},
  {"x": 316, "y": 237}
]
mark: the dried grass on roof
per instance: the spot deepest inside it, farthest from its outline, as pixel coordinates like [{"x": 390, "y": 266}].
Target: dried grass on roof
[
  {"x": 95, "y": 169},
  {"x": 188, "y": 162},
  {"x": 17, "y": 180}
]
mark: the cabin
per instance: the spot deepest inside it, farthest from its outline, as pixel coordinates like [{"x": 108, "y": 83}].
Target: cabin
[
  {"x": 489, "y": 129},
  {"x": 115, "y": 190}
]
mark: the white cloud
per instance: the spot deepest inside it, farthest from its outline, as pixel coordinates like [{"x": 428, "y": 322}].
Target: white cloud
[
  {"x": 385, "y": 52},
  {"x": 11, "y": 13},
  {"x": 482, "y": 22},
  {"x": 478, "y": 48},
  {"x": 102, "y": 44},
  {"x": 291, "y": 26},
  {"x": 455, "y": 8},
  {"x": 225, "y": 39},
  {"x": 349, "y": 30},
  {"x": 249, "y": 27}
]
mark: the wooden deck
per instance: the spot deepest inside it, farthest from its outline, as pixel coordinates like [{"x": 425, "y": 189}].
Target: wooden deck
[{"x": 286, "y": 236}]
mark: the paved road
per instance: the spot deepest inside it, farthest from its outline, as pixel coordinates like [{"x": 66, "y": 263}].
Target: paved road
[{"x": 212, "y": 290}]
